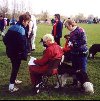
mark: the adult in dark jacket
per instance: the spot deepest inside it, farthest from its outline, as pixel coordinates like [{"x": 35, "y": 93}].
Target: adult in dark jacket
[
  {"x": 2, "y": 25},
  {"x": 57, "y": 29},
  {"x": 15, "y": 42}
]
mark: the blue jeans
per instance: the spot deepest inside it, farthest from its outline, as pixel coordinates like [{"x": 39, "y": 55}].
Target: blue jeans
[{"x": 79, "y": 62}]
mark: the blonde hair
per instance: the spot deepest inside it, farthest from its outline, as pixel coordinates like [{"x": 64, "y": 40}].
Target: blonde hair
[
  {"x": 70, "y": 22},
  {"x": 48, "y": 37}
]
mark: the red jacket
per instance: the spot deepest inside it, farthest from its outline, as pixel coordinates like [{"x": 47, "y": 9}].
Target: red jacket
[
  {"x": 66, "y": 47},
  {"x": 47, "y": 62},
  {"x": 53, "y": 52}
]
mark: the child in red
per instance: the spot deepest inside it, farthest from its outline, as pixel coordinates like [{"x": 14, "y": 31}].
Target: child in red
[{"x": 67, "y": 49}]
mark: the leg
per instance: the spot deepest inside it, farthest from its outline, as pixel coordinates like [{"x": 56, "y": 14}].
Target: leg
[
  {"x": 83, "y": 63},
  {"x": 33, "y": 41},
  {"x": 35, "y": 73},
  {"x": 15, "y": 68},
  {"x": 57, "y": 40},
  {"x": 76, "y": 66},
  {"x": 36, "y": 77}
]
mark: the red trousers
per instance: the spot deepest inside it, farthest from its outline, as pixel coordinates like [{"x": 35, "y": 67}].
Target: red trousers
[{"x": 36, "y": 73}]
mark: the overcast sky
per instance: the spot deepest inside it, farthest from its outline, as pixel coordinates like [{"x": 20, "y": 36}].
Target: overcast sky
[{"x": 66, "y": 7}]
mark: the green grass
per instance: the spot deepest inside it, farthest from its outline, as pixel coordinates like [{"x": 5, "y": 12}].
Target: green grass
[{"x": 68, "y": 93}]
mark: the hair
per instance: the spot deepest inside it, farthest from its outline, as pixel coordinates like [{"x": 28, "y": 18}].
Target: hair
[
  {"x": 24, "y": 17},
  {"x": 70, "y": 22},
  {"x": 28, "y": 14},
  {"x": 58, "y": 16},
  {"x": 48, "y": 37}
]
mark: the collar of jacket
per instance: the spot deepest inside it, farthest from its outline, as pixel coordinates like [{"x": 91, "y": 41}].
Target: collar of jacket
[
  {"x": 20, "y": 24},
  {"x": 74, "y": 28},
  {"x": 52, "y": 44}
]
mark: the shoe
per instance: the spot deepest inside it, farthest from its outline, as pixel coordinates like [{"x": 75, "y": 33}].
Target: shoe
[
  {"x": 38, "y": 88},
  {"x": 57, "y": 86},
  {"x": 14, "y": 89},
  {"x": 18, "y": 82}
]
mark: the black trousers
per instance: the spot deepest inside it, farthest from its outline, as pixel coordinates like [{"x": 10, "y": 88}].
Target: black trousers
[
  {"x": 29, "y": 46},
  {"x": 57, "y": 40},
  {"x": 15, "y": 68}
]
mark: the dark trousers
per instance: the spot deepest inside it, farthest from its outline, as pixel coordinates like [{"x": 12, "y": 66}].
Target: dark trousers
[
  {"x": 1, "y": 29},
  {"x": 57, "y": 40},
  {"x": 29, "y": 46},
  {"x": 79, "y": 62},
  {"x": 15, "y": 68}
]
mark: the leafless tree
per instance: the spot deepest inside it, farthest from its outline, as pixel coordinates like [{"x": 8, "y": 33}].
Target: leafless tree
[
  {"x": 4, "y": 7},
  {"x": 78, "y": 17}
]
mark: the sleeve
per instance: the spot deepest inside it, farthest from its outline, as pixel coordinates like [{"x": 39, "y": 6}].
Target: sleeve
[
  {"x": 30, "y": 27},
  {"x": 44, "y": 60},
  {"x": 81, "y": 40},
  {"x": 22, "y": 40},
  {"x": 35, "y": 24}
]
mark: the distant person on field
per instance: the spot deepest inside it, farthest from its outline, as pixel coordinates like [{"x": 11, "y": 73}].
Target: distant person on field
[
  {"x": 57, "y": 29},
  {"x": 32, "y": 31},
  {"x": 13, "y": 21},
  {"x": 2, "y": 25}
]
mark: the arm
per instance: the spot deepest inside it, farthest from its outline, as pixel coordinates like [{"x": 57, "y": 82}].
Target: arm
[
  {"x": 79, "y": 38},
  {"x": 44, "y": 60},
  {"x": 30, "y": 27}
]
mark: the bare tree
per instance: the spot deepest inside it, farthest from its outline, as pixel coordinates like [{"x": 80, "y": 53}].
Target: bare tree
[
  {"x": 80, "y": 16},
  {"x": 4, "y": 7},
  {"x": 44, "y": 16}
]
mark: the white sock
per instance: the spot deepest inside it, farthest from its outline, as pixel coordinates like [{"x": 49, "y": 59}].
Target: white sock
[
  {"x": 11, "y": 86},
  {"x": 64, "y": 79},
  {"x": 57, "y": 86}
]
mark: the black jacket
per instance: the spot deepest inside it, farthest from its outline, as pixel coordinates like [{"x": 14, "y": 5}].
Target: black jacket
[{"x": 15, "y": 42}]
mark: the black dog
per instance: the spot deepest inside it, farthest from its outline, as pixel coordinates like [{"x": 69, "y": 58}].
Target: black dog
[
  {"x": 81, "y": 76},
  {"x": 78, "y": 75},
  {"x": 93, "y": 50}
]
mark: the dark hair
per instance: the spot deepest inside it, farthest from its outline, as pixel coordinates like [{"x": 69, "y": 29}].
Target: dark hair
[
  {"x": 28, "y": 14},
  {"x": 66, "y": 36},
  {"x": 58, "y": 16},
  {"x": 24, "y": 17}
]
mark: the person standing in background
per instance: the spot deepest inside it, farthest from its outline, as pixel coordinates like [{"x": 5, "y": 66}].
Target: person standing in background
[
  {"x": 2, "y": 25},
  {"x": 32, "y": 32},
  {"x": 57, "y": 29}
]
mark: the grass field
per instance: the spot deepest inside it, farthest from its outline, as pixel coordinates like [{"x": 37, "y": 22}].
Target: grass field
[{"x": 68, "y": 93}]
